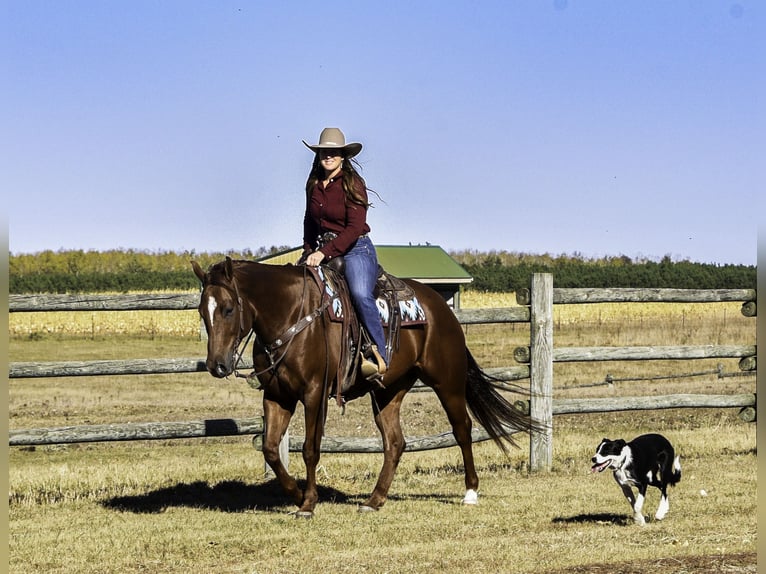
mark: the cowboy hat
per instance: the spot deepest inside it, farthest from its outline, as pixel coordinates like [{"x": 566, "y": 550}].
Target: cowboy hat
[{"x": 333, "y": 138}]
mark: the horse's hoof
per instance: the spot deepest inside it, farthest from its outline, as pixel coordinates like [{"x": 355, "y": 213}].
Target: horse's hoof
[
  {"x": 305, "y": 514},
  {"x": 471, "y": 498},
  {"x": 363, "y": 508}
]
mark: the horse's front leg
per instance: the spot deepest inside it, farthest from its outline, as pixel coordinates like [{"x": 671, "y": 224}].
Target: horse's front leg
[
  {"x": 276, "y": 419},
  {"x": 315, "y": 411}
]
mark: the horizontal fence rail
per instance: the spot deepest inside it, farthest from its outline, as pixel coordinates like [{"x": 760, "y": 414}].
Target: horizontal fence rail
[
  {"x": 572, "y": 295},
  {"x": 136, "y": 302},
  {"x": 535, "y": 361},
  {"x": 185, "y": 301},
  {"x": 136, "y": 431},
  {"x": 218, "y": 428},
  {"x": 28, "y": 370},
  {"x": 577, "y": 406},
  {"x": 21, "y": 370},
  {"x": 585, "y": 354},
  {"x": 254, "y": 426}
]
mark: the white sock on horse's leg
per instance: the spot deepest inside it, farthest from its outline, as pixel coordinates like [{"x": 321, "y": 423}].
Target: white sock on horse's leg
[{"x": 471, "y": 497}]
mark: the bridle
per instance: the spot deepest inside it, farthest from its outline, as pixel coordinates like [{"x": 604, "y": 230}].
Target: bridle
[
  {"x": 284, "y": 340},
  {"x": 237, "y": 350}
]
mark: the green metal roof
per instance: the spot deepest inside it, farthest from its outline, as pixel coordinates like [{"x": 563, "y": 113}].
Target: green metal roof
[{"x": 427, "y": 262}]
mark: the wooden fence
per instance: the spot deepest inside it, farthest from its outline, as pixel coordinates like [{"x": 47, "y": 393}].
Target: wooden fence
[{"x": 536, "y": 365}]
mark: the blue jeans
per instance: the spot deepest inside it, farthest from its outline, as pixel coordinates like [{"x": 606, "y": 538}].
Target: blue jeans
[{"x": 361, "y": 275}]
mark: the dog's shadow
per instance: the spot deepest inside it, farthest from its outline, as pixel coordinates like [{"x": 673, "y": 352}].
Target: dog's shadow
[
  {"x": 602, "y": 518},
  {"x": 229, "y": 496}
]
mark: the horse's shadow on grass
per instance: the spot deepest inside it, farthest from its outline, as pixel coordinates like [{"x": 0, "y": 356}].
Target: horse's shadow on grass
[
  {"x": 602, "y": 518},
  {"x": 229, "y": 496},
  {"x": 235, "y": 496}
]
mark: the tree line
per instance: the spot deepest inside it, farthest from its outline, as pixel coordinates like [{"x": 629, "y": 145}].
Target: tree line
[
  {"x": 77, "y": 271},
  {"x": 116, "y": 270},
  {"x": 492, "y": 273}
]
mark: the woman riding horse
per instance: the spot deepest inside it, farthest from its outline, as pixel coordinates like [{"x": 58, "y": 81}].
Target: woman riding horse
[{"x": 335, "y": 225}]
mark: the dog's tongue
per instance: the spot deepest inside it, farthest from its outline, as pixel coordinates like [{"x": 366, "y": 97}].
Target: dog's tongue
[{"x": 599, "y": 467}]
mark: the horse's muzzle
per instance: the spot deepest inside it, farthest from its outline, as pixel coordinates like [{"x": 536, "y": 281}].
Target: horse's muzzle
[{"x": 219, "y": 369}]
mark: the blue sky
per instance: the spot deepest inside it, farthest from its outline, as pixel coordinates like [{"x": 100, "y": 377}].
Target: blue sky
[{"x": 555, "y": 126}]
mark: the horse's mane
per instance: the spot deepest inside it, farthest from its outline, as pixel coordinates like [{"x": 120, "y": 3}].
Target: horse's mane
[{"x": 242, "y": 269}]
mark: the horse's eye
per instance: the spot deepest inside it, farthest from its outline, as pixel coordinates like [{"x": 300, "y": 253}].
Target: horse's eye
[{"x": 228, "y": 312}]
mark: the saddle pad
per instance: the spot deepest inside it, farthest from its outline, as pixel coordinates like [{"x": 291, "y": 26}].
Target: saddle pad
[{"x": 410, "y": 309}]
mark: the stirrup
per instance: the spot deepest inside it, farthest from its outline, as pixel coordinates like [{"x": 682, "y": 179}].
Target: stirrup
[
  {"x": 368, "y": 367},
  {"x": 382, "y": 368}
]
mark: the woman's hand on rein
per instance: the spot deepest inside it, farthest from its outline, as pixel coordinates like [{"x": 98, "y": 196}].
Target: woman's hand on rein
[{"x": 315, "y": 258}]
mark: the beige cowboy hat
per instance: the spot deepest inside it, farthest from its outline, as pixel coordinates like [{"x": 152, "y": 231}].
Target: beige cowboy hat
[{"x": 333, "y": 138}]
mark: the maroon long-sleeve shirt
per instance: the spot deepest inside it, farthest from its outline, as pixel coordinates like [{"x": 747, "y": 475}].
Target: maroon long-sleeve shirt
[{"x": 328, "y": 210}]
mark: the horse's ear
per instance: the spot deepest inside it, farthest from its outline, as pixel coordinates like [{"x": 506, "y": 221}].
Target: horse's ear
[
  {"x": 229, "y": 268},
  {"x": 198, "y": 271}
]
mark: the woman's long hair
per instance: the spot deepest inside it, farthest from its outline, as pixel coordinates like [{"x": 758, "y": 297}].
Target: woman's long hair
[{"x": 352, "y": 181}]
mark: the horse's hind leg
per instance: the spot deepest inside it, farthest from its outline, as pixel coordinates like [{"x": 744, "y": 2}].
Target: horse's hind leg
[
  {"x": 277, "y": 418},
  {"x": 457, "y": 412},
  {"x": 386, "y": 411}
]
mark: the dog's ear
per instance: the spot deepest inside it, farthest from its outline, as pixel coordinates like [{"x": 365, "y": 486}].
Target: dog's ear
[{"x": 620, "y": 442}]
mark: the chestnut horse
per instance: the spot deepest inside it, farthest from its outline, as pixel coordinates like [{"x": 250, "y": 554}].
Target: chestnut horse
[{"x": 296, "y": 353}]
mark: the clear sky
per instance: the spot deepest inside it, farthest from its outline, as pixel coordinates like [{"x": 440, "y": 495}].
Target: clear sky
[{"x": 541, "y": 126}]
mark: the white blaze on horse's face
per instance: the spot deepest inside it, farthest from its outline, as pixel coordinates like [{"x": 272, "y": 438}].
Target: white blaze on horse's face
[
  {"x": 219, "y": 315},
  {"x": 211, "y": 306}
]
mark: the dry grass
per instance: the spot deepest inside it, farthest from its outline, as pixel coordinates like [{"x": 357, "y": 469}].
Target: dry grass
[
  {"x": 199, "y": 506},
  {"x": 205, "y": 507}
]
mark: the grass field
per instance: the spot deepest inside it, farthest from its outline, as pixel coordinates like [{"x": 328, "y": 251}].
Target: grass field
[{"x": 199, "y": 506}]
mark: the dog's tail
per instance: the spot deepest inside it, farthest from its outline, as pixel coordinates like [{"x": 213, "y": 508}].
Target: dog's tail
[{"x": 675, "y": 472}]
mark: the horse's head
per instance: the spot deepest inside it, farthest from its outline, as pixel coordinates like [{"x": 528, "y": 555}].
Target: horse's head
[{"x": 224, "y": 314}]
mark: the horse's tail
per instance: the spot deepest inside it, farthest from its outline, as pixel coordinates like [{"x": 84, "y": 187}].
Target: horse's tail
[{"x": 498, "y": 417}]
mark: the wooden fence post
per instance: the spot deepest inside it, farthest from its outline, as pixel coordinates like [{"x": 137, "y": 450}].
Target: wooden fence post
[{"x": 541, "y": 371}]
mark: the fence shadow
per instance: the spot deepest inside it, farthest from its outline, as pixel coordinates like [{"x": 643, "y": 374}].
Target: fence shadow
[
  {"x": 602, "y": 518},
  {"x": 229, "y": 496}
]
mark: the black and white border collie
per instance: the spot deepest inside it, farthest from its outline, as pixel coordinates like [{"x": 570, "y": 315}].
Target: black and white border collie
[{"x": 647, "y": 460}]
